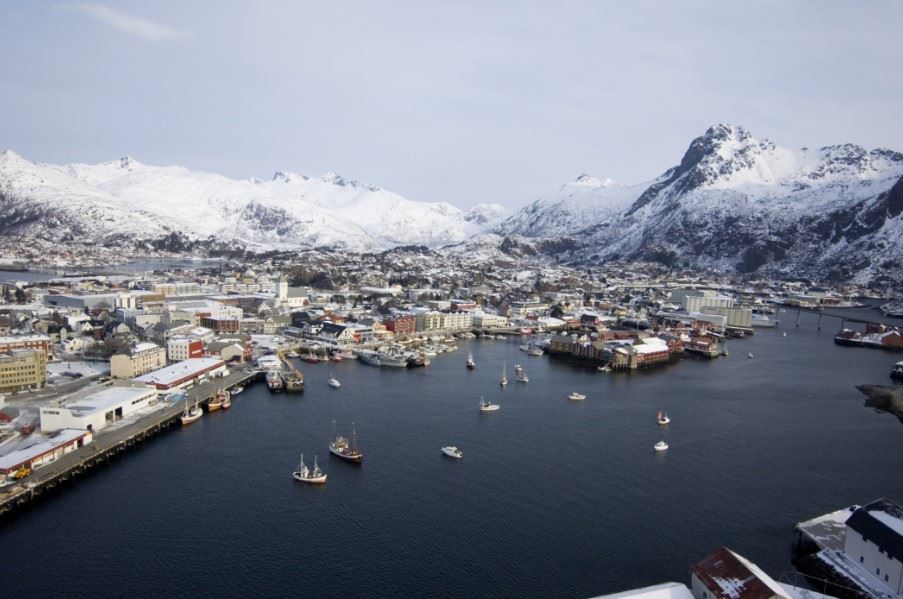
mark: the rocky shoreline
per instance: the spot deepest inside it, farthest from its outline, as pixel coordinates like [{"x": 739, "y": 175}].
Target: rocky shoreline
[{"x": 884, "y": 398}]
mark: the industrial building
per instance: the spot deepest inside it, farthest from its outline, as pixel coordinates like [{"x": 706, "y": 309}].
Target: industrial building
[
  {"x": 93, "y": 410},
  {"x": 34, "y": 451},
  {"x": 183, "y": 374}
]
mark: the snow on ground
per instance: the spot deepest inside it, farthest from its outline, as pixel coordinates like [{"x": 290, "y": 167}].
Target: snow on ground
[{"x": 61, "y": 369}]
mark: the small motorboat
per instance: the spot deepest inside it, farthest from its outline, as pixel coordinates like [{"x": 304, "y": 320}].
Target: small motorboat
[
  {"x": 313, "y": 476},
  {"x": 534, "y": 351},
  {"x": 749, "y": 355},
  {"x": 453, "y": 452},
  {"x": 576, "y": 396},
  {"x": 336, "y": 357},
  {"x": 470, "y": 363},
  {"x": 605, "y": 368},
  {"x": 486, "y": 406},
  {"x": 519, "y": 374},
  {"x": 237, "y": 390},
  {"x": 292, "y": 354},
  {"x": 661, "y": 446},
  {"x": 333, "y": 382},
  {"x": 662, "y": 418}
]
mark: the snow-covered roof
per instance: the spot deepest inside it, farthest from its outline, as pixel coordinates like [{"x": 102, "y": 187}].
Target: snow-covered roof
[
  {"x": 106, "y": 399},
  {"x": 179, "y": 371},
  {"x": 731, "y": 576},
  {"x": 26, "y": 451},
  {"x": 667, "y": 590}
]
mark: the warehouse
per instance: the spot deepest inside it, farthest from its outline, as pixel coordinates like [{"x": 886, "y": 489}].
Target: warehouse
[
  {"x": 97, "y": 409},
  {"x": 183, "y": 374},
  {"x": 34, "y": 451}
]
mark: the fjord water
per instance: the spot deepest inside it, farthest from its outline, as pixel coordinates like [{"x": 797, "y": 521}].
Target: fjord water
[{"x": 552, "y": 499}]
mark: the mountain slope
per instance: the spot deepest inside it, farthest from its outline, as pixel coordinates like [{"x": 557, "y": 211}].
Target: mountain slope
[
  {"x": 737, "y": 203},
  {"x": 129, "y": 200}
]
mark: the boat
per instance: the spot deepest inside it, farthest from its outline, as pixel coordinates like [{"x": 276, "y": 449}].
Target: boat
[
  {"x": 340, "y": 447},
  {"x": 534, "y": 351},
  {"x": 417, "y": 360},
  {"x": 344, "y": 355},
  {"x": 576, "y": 396},
  {"x": 336, "y": 357},
  {"x": 292, "y": 354},
  {"x": 605, "y": 368},
  {"x": 312, "y": 358},
  {"x": 313, "y": 476},
  {"x": 662, "y": 418},
  {"x": 227, "y": 403},
  {"x": 524, "y": 347},
  {"x": 397, "y": 360},
  {"x": 470, "y": 363},
  {"x": 661, "y": 446},
  {"x": 486, "y": 406},
  {"x": 749, "y": 355},
  {"x": 191, "y": 414},
  {"x": 237, "y": 390},
  {"x": 453, "y": 452},
  {"x": 504, "y": 380},
  {"x": 217, "y": 401},
  {"x": 274, "y": 381},
  {"x": 333, "y": 382},
  {"x": 519, "y": 374},
  {"x": 897, "y": 371}
]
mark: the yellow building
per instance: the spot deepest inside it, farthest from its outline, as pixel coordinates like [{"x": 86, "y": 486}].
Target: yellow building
[{"x": 23, "y": 369}]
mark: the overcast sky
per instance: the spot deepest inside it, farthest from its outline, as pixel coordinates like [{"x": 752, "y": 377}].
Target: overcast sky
[{"x": 465, "y": 102}]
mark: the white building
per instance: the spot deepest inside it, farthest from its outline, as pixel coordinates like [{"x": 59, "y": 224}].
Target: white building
[
  {"x": 488, "y": 321},
  {"x": 94, "y": 410},
  {"x": 183, "y": 374},
  {"x": 874, "y": 542},
  {"x": 182, "y": 347}
]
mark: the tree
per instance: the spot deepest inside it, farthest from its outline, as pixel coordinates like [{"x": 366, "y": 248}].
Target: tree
[
  {"x": 21, "y": 297},
  {"x": 557, "y": 311}
]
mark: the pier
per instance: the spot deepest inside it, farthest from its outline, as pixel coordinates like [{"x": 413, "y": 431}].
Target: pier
[{"x": 108, "y": 444}]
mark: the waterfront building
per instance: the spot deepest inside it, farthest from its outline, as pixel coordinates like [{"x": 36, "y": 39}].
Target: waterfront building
[
  {"x": 485, "y": 320},
  {"x": 22, "y": 369},
  {"x": 874, "y": 542},
  {"x": 92, "y": 410},
  {"x": 727, "y": 575},
  {"x": 183, "y": 374},
  {"x": 404, "y": 324},
  {"x": 136, "y": 360},
  {"x": 34, "y": 451}
]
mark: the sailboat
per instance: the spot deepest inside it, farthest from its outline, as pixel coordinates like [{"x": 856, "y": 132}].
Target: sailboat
[
  {"x": 306, "y": 475},
  {"x": 470, "y": 363},
  {"x": 340, "y": 447},
  {"x": 662, "y": 418},
  {"x": 504, "y": 380},
  {"x": 333, "y": 382},
  {"x": 486, "y": 406},
  {"x": 192, "y": 414}
]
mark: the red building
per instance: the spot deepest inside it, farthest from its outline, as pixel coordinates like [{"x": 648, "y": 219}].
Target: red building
[
  {"x": 7, "y": 344},
  {"x": 401, "y": 325},
  {"x": 221, "y": 325}
]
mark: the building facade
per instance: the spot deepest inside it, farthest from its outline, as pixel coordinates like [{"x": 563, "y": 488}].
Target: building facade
[
  {"x": 22, "y": 369},
  {"x": 137, "y": 360}
]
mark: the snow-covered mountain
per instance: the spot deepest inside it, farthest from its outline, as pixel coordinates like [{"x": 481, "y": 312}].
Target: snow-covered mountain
[
  {"x": 739, "y": 203},
  {"x": 127, "y": 200}
]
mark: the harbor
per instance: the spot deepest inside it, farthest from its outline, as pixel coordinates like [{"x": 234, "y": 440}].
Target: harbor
[
  {"x": 107, "y": 445},
  {"x": 545, "y": 513}
]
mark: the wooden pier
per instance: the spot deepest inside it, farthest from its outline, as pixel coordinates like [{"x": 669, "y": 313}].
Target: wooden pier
[{"x": 109, "y": 444}]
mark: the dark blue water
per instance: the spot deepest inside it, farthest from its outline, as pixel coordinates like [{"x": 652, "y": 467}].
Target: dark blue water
[{"x": 552, "y": 499}]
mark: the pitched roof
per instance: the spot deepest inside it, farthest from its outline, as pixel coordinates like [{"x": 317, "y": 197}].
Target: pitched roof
[
  {"x": 881, "y": 522},
  {"x": 730, "y": 576}
]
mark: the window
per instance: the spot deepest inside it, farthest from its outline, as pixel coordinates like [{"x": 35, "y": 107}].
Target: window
[
  {"x": 885, "y": 578},
  {"x": 878, "y": 571},
  {"x": 861, "y": 559}
]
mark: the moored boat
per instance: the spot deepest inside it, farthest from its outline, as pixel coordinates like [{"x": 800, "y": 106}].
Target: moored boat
[
  {"x": 227, "y": 402},
  {"x": 340, "y": 447},
  {"x": 453, "y": 452},
  {"x": 274, "y": 381},
  {"x": 237, "y": 390},
  {"x": 534, "y": 351},
  {"x": 576, "y": 396},
  {"x": 217, "y": 401},
  {"x": 486, "y": 406},
  {"x": 191, "y": 414},
  {"x": 313, "y": 476}
]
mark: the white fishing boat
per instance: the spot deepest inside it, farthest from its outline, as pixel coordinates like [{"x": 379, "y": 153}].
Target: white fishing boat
[
  {"x": 333, "y": 382},
  {"x": 313, "y": 476},
  {"x": 191, "y": 414},
  {"x": 519, "y": 375},
  {"x": 453, "y": 452},
  {"x": 486, "y": 406},
  {"x": 576, "y": 396},
  {"x": 534, "y": 351},
  {"x": 662, "y": 418},
  {"x": 504, "y": 380},
  {"x": 661, "y": 446},
  {"x": 340, "y": 447}
]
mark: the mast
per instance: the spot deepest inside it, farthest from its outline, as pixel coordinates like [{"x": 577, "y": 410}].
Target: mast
[{"x": 353, "y": 438}]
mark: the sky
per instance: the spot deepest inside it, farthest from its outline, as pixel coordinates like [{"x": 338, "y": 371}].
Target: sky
[{"x": 463, "y": 102}]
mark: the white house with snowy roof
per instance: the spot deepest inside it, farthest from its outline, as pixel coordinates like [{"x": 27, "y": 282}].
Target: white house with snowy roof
[{"x": 874, "y": 541}]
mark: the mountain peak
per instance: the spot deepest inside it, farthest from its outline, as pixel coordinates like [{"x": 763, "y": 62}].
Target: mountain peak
[
  {"x": 591, "y": 181},
  {"x": 10, "y": 155}
]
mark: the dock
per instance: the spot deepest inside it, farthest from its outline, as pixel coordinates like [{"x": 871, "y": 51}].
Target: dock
[{"x": 108, "y": 444}]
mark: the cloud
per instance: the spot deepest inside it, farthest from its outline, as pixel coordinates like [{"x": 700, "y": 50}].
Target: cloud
[{"x": 128, "y": 23}]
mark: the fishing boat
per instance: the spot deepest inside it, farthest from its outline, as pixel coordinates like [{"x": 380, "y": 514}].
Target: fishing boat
[
  {"x": 227, "y": 402},
  {"x": 274, "y": 381},
  {"x": 519, "y": 374},
  {"x": 312, "y": 358},
  {"x": 534, "y": 351},
  {"x": 340, "y": 447},
  {"x": 576, "y": 396},
  {"x": 661, "y": 446},
  {"x": 237, "y": 390},
  {"x": 191, "y": 414},
  {"x": 662, "y": 418},
  {"x": 453, "y": 452},
  {"x": 292, "y": 354},
  {"x": 333, "y": 382},
  {"x": 504, "y": 380},
  {"x": 486, "y": 406},
  {"x": 313, "y": 476},
  {"x": 344, "y": 355},
  {"x": 336, "y": 357},
  {"x": 217, "y": 401},
  {"x": 470, "y": 363}
]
